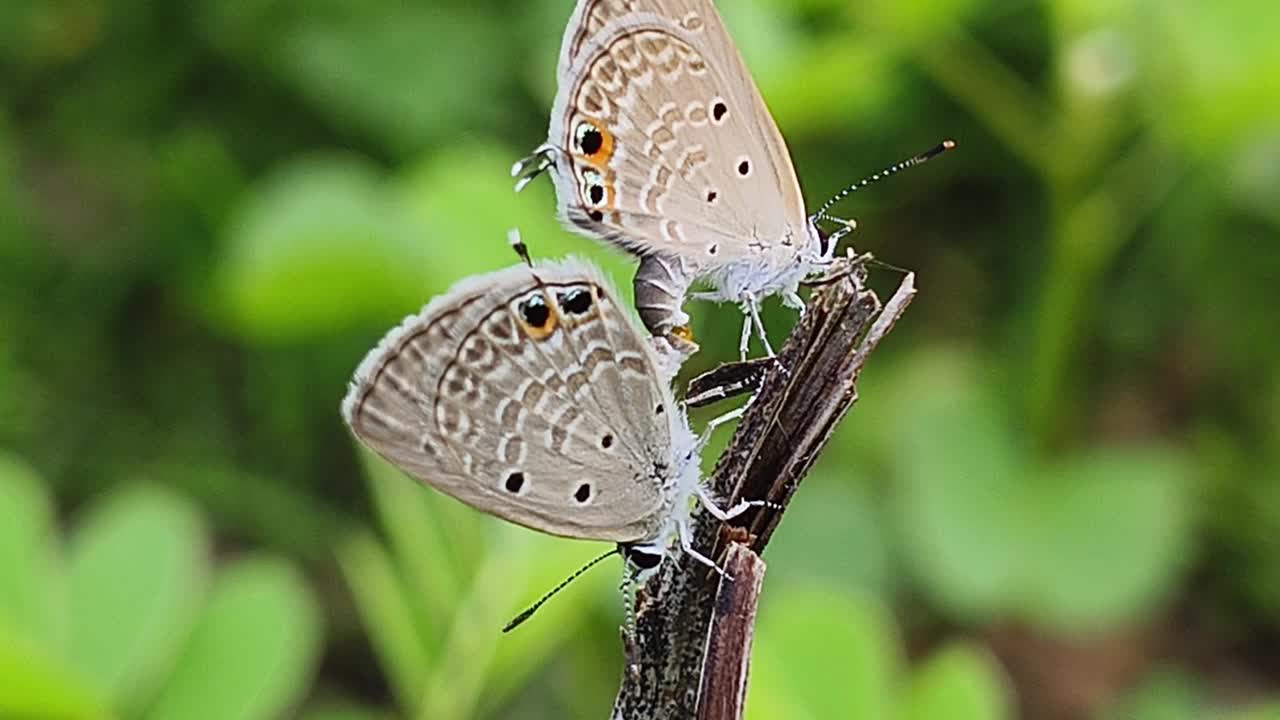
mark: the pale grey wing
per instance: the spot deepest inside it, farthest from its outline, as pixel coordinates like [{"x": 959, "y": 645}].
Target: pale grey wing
[
  {"x": 385, "y": 405},
  {"x": 661, "y": 153},
  {"x": 718, "y": 45},
  {"x": 605, "y": 348},
  {"x": 591, "y": 16},
  {"x": 463, "y": 398}
]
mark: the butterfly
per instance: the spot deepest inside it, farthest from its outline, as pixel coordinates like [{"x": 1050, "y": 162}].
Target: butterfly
[
  {"x": 660, "y": 143},
  {"x": 530, "y": 394}
]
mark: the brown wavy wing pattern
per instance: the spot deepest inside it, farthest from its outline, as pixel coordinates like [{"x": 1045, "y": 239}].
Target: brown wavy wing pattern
[{"x": 528, "y": 394}]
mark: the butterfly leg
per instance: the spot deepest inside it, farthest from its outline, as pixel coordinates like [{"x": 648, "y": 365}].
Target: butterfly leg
[
  {"x": 686, "y": 544},
  {"x": 526, "y": 169},
  {"x": 716, "y": 422},
  {"x": 725, "y": 515},
  {"x": 744, "y": 343},
  {"x": 751, "y": 307}
]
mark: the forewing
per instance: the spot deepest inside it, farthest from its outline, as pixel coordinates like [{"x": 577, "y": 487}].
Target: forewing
[
  {"x": 665, "y": 143},
  {"x": 484, "y": 396},
  {"x": 591, "y": 16}
]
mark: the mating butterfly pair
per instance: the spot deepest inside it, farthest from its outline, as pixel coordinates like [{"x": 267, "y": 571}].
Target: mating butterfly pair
[{"x": 529, "y": 393}]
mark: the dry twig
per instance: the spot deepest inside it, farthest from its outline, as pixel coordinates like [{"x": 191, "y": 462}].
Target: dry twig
[{"x": 691, "y": 651}]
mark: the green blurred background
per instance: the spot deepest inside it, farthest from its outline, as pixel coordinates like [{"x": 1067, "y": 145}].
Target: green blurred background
[{"x": 1057, "y": 498}]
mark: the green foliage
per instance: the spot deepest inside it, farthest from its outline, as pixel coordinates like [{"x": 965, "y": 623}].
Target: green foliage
[
  {"x": 208, "y": 214},
  {"x": 960, "y": 681},
  {"x": 854, "y": 676},
  {"x": 127, "y": 625},
  {"x": 1080, "y": 543},
  {"x": 136, "y": 572},
  {"x": 433, "y": 604},
  {"x": 321, "y": 223},
  {"x": 821, "y": 654}
]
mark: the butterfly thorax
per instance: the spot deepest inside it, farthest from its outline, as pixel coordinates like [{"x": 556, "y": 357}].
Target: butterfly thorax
[
  {"x": 777, "y": 268},
  {"x": 680, "y": 480}
]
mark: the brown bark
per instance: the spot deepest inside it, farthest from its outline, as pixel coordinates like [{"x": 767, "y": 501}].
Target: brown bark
[{"x": 690, "y": 653}]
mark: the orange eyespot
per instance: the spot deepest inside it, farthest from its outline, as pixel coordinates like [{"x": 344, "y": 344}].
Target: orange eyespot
[
  {"x": 684, "y": 332},
  {"x": 536, "y": 317},
  {"x": 597, "y": 189},
  {"x": 593, "y": 142}
]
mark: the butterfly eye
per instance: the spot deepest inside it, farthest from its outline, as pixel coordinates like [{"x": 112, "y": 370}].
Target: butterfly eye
[
  {"x": 644, "y": 558},
  {"x": 536, "y": 318}
]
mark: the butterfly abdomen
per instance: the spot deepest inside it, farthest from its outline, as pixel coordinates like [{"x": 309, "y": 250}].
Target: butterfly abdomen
[{"x": 660, "y": 286}]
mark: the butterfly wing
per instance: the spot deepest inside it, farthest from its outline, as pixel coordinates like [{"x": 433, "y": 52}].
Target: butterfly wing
[
  {"x": 527, "y": 394},
  {"x": 591, "y": 16},
  {"x": 665, "y": 145}
]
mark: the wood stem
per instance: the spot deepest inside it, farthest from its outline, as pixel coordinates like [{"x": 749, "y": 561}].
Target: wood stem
[{"x": 690, "y": 655}]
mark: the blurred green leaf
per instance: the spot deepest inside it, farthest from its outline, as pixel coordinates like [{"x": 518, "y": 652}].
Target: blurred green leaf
[
  {"x": 458, "y": 687},
  {"x": 1082, "y": 543},
  {"x": 443, "y": 588},
  {"x": 1165, "y": 695},
  {"x": 958, "y": 502},
  {"x": 821, "y": 654},
  {"x": 1109, "y": 535},
  {"x": 253, "y": 650},
  {"x": 914, "y": 23},
  {"x": 544, "y": 561},
  {"x": 387, "y": 613},
  {"x": 138, "y": 568},
  {"x": 381, "y": 72},
  {"x": 421, "y": 554},
  {"x": 834, "y": 511},
  {"x": 766, "y": 34},
  {"x": 1210, "y": 85},
  {"x": 34, "y": 686},
  {"x": 344, "y": 711},
  {"x": 318, "y": 247},
  {"x": 31, "y": 584},
  {"x": 463, "y": 197},
  {"x": 1269, "y": 711},
  {"x": 9, "y": 191},
  {"x": 828, "y": 65},
  {"x": 961, "y": 682}
]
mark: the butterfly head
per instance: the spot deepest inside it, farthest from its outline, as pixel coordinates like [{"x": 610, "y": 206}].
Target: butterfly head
[
  {"x": 644, "y": 558},
  {"x": 819, "y": 248}
]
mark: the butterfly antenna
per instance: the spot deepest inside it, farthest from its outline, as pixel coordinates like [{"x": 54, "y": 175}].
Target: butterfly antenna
[
  {"x": 517, "y": 244},
  {"x": 920, "y": 159},
  {"x": 517, "y": 620}
]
